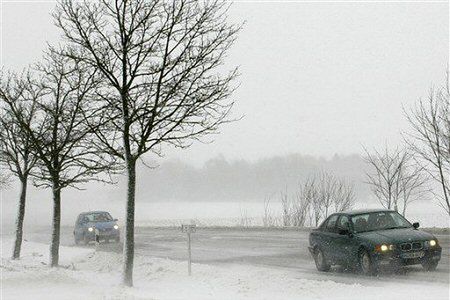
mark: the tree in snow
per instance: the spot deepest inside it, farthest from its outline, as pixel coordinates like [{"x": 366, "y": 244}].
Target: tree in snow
[
  {"x": 15, "y": 144},
  {"x": 384, "y": 175},
  {"x": 318, "y": 196},
  {"x": 161, "y": 62},
  {"x": 334, "y": 194},
  {"x": 59, "y": 137},
  {"x": 395, "y": 178},
  {"x": 430, "y": 139},
  {"x": 301, "y": 205},
  {"x": 344, "y": 195},
  {"x": 413, "y": 184}
]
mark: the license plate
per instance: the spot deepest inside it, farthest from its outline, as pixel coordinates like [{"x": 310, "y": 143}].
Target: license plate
[{"x": 418, "y": 254}]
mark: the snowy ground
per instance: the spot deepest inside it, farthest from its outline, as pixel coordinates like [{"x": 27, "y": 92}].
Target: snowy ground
[{"x": 88, "y": 273}]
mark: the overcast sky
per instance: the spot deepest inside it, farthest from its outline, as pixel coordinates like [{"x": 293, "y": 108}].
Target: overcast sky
[{"x": 317, "y": 78}]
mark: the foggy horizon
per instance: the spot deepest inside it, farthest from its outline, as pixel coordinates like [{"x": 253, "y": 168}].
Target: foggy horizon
[
  {"x": 166, "y": 174},
  {"x": 326, "y": 88}
]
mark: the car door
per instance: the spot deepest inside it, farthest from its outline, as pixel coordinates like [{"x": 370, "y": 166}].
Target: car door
[
  {"x": 343, "y": 242},
  {"x": 329, "y": 235}
]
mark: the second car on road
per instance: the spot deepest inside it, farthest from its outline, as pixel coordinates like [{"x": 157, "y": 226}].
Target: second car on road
[{"x": 96, "y": 225}]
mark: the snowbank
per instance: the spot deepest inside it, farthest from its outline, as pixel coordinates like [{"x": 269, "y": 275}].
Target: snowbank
[{"x": 90, "y": 274}]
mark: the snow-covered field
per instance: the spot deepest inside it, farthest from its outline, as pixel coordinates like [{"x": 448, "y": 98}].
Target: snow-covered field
[
  {"x": 90, "y": 274},
  {"x": 202, "y": 213}
]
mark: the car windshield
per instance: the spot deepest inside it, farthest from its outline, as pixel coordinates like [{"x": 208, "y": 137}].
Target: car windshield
[
  {"x": 382, "y": 220},
  {"x": 99, "y": 217}
]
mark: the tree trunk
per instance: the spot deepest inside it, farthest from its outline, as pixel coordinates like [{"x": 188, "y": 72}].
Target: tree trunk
[
  {"x": 444, "y": 187},
  {"x": 128, "y": 249},
  {"x": 56, "y": 225},
  {"x": 20, "y": 218}
]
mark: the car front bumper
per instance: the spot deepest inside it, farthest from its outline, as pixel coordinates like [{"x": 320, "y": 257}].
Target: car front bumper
[
  {"x": 108, "y": 235},
  {"x": 398, "y": 258}
]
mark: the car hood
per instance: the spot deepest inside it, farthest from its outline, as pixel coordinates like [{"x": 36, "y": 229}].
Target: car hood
[
  {"x": 395, "y": 236},
  {"x": 102, "y": 225}
]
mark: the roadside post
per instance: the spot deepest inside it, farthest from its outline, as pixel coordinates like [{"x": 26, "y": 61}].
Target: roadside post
[{"x": 188, "y": 229}]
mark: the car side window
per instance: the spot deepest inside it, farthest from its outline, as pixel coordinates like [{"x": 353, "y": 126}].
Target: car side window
[
  {"x": 331, "y": 224},
  {"x": 360, "y": 222},
  {"x": 83, "y": 220},
  {"x": 343, "y": 223}
]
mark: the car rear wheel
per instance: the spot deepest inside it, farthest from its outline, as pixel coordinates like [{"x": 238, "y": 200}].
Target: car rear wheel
[
  {"x": 430, "y": 265},
  {"x": 321, "y": 263},
  {"x": 365, "y": 263}
]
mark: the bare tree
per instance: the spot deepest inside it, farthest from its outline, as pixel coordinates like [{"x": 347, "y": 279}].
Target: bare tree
[
  {"x": 385, "y": 175},
  {"x": 244, "y": 219},
  {"x": 159, "y": 61},
  {"x": 430, "y": 139},
  {"x": 286, "y": 209},
  {"x": 311, "y": 192},
  {"x": 413, "y": 184},
  {"x": 269, "y": 220},
  {"x": 396, "y": 179},
  {"x": 344, "y": 196},
  {"x": 59, "y": 136},
  {"x": 16, "y": 147},
  {"x": 302, "y": 201},
  {"x": 322, "y": 194},
  {"x": 326, "y": 189}
]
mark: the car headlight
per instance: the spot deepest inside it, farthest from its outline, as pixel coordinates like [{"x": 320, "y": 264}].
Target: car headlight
[
  {"x": 384, "y": 247},
  {"x": 90, "y": 229},
  {"x": 116, "y": 226},
  {"x": 433, "y": 243}
]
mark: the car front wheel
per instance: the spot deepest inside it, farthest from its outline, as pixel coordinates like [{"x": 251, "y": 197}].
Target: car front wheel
[
  {"x": 365, "y": 263},
  {"x": 321, "y": 263},
  {"x": 85, "y": 239}
]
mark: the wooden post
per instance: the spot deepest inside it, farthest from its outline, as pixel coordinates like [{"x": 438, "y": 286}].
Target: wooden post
[{"x": 189, "y": 253}]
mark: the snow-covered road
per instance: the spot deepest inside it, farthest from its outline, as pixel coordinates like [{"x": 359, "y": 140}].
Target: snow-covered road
[
  {"x": 87, "y": 273},
  {"x": 274, "y": 248}
]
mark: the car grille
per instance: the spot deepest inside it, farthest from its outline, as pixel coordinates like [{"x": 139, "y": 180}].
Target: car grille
[{"x": 411, "y": 246}]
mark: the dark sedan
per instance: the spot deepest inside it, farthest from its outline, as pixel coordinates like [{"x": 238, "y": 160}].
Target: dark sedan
[{"x": 368, "y": 239}]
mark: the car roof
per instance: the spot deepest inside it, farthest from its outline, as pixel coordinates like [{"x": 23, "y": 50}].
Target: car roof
[
  {"x": 93, "y": 212},
  {"x": 365, "y": 211}
]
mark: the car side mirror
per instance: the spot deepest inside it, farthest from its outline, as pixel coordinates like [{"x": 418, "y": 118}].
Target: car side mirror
[
  {"x": 416, "y": 225},
  {"x": 115, "y": 220}
]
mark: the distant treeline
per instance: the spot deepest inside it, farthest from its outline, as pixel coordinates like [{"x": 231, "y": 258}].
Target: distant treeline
[{"x": 220, "y": 179}]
